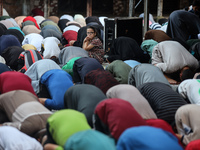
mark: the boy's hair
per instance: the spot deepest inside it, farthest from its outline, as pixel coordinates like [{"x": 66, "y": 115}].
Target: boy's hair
[{"x": 187, "y": 74}]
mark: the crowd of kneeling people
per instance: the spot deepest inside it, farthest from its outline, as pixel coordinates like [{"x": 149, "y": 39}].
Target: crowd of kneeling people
[{"x": 59, "y": 89}]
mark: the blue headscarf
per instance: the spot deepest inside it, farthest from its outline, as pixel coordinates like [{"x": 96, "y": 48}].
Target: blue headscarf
[
  {"x": 89, "y": 140},
  {"x": 4, "y": 68},
  {"x": 147, "y": 138},
  {"x": 7, "y": 41}
]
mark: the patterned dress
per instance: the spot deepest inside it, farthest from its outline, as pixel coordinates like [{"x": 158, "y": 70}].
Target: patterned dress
[{"x": 97, "y": 51}]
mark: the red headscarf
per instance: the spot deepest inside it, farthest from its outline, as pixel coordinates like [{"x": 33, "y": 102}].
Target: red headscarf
[
  {"x": 70, "y": 35},
  {"x": 193, "y": 145},
  {"x": 159, "y": 123},
  {"x": 12, "y": 80},
  {"x": 30, "y": 18},
  {"x": 117, "y": 115}
]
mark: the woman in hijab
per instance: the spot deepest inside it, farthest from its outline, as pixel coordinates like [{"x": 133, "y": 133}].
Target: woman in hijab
[
  {"x": 113, "y": 116},
  {"x": 189, "y": 90},
  {"x": 4, "y": 68},
  {"x": 51, "y": 33},
  {"x": 144, "y": 73},
  {"x": 132, "y": 63},
  {"x": 30, "y": 29},
  {"x": 147, "y": 46},
  {"x": 156, "y": 35},
  {"x": 62, "y": 125},
  {"x": 7, "y": 23},
  {"x": 82, "y": 66},
  {"x": 54, "y": 19},
  {"x": 125, "y": 48},
  {"x": 120, "y": 70},
  {"x": 2, "y": 29},
  {"x": 19, "y": 20},
  {"x": 36, "y": 70},
  {"x": 183, "y": 24},
  {"x": 101, "y": 79},
  {"x": 49, "y": 22},
  {"x": 24, "y": 111},
  {"x": 17, "y": 139},
  {"x": 65, "y": 16},
  {"x": 7, "y": 41},
  {"x": 28, "y": 23},
  {"x": 71, "y": 27},
  {"x": 33, "y": 39},
  {"x": 93, "y": 19},
  {"x": 90, "y": 140},
  {"x": 17, "y": 28},
  {"x": 52, "y": 27},
  {"x": 29, "y": 46},
  {"x": 145, "y": 137},
  {"x": 11, "y": 55},
  {"x": 39, "y": 19},
  {"x": 163, "y": 100},
  {"x": 51, "y": 47},
  {"x": 67, "y": 53},
  {"x": 62, "y": 24},
  {"x": 159, "y": 123},
  {"x": 176, "y": 69},
  {"x": 27, "y": 58},
  {"x": 83, "y": 98},
  {"x": 9, "y": 83},
  {"x": 16, "y": 33},
  {"x": 187, "y": 123},
  {"x": 81, "y": 21},
  {"x": 193, "y": 145},
  {"x": 131, "y": 94},
  {"x": 30, "y": 18},
  {"x": 57, "y": 83},
  {"x": 69, "y": 36}
]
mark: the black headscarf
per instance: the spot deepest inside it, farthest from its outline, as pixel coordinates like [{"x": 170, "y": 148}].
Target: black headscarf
[
  {"x": 11, "y": 55},
  {"x": 4, "y": 68},
  {"x": 83, "y": 98},
  {"x": 16, "y": 33},
  {"x": 84, "y": 65},
  {"x": 93, "y": 19},
  {"x": 62, "y": 24},
  {"x": 125, "y": 48},
  {"x": 2, "y": 29}
]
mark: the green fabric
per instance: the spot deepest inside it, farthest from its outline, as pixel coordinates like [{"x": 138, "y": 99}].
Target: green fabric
[
  {"x": 120, "y": 70},
  {"x": 59, "y": 148},
  {"x": 4, "y": 17},
  {"x": 90, "y": 140},
  {"x": 148, "y": 46},
  {"x": 192, "y": 42},
  {"x": 66, "y": 122},
  {"x": 69, "y": 66}
]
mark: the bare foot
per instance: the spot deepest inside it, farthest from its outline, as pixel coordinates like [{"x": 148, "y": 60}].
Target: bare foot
[{"x": 42, "y": 100}]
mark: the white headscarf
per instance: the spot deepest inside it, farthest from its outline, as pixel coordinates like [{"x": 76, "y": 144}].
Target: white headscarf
[{"x": 51, "y": 47}]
